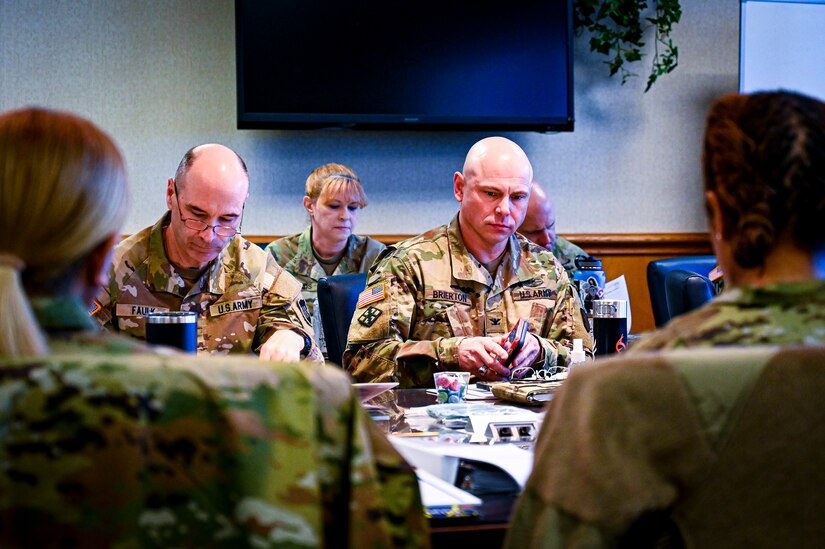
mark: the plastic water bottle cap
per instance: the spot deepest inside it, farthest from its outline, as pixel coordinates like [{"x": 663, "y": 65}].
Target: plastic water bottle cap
[{"x": 577, "y": 355}]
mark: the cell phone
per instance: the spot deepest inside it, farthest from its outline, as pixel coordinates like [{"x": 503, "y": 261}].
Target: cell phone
[{"x": 515, "y": 341}]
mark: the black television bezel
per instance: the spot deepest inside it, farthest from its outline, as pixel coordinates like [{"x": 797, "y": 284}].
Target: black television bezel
[{"x": 365, "y": 121}]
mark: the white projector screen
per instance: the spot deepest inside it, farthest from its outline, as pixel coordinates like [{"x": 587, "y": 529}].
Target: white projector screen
[{"x": 782, "y": 45}]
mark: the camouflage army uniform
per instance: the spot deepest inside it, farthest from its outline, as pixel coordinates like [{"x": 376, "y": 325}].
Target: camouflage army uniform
[
  {"x": 566, "y": 252},
  {"x": 107, "y": 444},
  {"x": 646, "y": 435},
  {"x": 777, "y": 314},
  {"x": 242, "y": 298},
  {"x": 294, "y": 254},
  {"x": 426, "y": 294}
]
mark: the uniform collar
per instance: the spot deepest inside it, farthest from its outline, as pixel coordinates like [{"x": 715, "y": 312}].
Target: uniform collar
[
  {"x": 810, "y": 291},
  {"x": 465, "y": 267},
  {"x": 62, "y": 314},
  {"x": 161, "y": 276},
  {"x": 305, "y": 253}
]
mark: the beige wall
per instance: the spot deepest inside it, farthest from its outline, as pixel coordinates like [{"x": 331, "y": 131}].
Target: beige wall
[{"x": 160, "y": 76}]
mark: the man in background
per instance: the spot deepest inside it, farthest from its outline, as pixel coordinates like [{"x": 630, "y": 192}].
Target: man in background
[
  {"x": 540, "y": 227},
  {"x": 194, "y": 259},
  {"x": 445, "y": 300}
]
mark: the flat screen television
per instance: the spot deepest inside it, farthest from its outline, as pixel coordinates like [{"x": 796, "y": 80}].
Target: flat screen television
[{"x": 402, "y": 64}]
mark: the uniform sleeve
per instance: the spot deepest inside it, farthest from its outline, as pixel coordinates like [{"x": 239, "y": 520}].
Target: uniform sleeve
[
  {"x": 284, "y": 309},
  {"x": 106, "y": 301},
  {"x": 378, "y": 345},
  {"x": 566, "y": 323},
  {"x": 371, "y": 494}
]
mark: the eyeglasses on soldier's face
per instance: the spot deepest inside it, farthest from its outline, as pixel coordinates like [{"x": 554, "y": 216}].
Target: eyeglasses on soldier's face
[{"x": 223, "y": 231}]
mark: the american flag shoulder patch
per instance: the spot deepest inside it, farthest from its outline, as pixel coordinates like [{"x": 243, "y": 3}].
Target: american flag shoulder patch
[{"x": 371, "y": 295}]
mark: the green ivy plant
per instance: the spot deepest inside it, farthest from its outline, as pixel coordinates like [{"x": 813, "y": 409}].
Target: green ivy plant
[{"x": 617, "y": 28}]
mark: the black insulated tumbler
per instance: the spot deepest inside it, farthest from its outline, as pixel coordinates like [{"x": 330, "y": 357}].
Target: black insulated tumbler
[
  {"x": 610, "y": 326},
  {"x": 174, "y": 329}
]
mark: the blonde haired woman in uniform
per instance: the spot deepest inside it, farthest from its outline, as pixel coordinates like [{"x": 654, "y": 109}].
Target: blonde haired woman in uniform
[{"x": 334, "y": 196}]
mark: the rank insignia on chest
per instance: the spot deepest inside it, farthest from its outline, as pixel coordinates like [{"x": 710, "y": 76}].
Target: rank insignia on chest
[
  {"x": 372, "y": 294},
  {"x": 369, "y": 316}
]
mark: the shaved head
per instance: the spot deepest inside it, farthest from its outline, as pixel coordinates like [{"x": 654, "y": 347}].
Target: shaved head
[
  {"x": 497, "y": 157},
  {"x": 540, "y": 222},
  {"x": 493, "y": 190}
]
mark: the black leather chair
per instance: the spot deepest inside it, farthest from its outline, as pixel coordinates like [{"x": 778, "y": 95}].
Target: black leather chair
[
  {"x": 657, "y": 271},
  {"x": 337, "y": 297},
  {"x": 686, "y": 290}
]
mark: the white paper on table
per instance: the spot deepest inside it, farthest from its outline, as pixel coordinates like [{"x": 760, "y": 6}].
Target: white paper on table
[
  {"x": 436, "y": 492},
  {"x": 441, "y": 459},
  {"x": 617, "y": 289}
]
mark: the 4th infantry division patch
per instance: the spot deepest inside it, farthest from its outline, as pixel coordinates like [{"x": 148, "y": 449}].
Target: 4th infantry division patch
[{"x": 369, "y": 316}]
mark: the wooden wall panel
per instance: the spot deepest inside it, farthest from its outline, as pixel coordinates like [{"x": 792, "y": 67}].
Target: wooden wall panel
[{"x": 626, "y": 254}]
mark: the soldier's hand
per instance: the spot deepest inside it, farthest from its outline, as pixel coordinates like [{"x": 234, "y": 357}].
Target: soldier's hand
[
  {"x": 528, "y": 353},
  {"x": 483, "y": 356},
  {"x": 283, "y": 346}
]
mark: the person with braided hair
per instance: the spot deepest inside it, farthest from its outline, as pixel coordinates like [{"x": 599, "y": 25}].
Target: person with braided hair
[{"x": 764, "y": 172}]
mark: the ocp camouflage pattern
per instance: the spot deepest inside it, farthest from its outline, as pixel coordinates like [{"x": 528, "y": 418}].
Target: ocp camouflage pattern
[
  {"x": 566, "y": 252},
  {"x": 783, "y": 314},
  {"x": 436, "y": 294},
  {"x": 242, "y": 298},
  {"x": 294, "y": 253},
  {"x": 105, "y": 444}
]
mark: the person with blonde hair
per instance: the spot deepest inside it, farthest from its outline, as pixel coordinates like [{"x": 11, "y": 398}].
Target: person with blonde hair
[
  {"x": 107, "y": 442},
  {"x": 329, "y": 246},
  {"x": 62, "y": 203}
]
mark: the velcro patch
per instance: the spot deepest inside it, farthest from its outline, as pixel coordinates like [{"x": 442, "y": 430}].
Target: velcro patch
[
  {"x": 135, "y": 309},
  {"x": 537, "y": 293},
  {"x": 373, "y": 294},
  {"x": 369, "y": 316},
  {"x": 226, "y": 307},
  {"x": 446, "y": 295},
  {"x": 286, "y": 286}
]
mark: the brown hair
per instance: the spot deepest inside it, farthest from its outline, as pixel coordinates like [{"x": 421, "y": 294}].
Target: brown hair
[
  {"x": 62, "y": 193},
  {"x": 334, "y": 178},
  {"x": 764, "y": 157}
]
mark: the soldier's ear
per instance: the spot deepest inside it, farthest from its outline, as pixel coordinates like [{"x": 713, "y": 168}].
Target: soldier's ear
[
  {"x": 170, "y": 194},
  {"x": 458, "y": 186},
  {"x": 718, "y": 226},
  {"x": 308, "y": 205}
]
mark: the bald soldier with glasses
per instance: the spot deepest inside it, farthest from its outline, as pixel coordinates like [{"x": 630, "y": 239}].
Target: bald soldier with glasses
[{"x": 194, "y": 259}]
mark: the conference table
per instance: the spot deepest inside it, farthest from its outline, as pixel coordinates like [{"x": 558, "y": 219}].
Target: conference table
[{"x": 405, "y": 414}]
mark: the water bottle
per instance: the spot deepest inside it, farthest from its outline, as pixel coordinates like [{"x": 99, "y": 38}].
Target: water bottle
[{"x": 589, "y": 280}]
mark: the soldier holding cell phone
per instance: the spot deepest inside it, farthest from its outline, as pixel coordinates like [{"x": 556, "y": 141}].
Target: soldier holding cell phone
[{"x": 447, "y": 299}]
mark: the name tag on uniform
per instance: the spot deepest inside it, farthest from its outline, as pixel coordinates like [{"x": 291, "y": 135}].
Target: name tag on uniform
[
  {"x": 134, "y": 309},
  {"x": 226, "y": 307},
  {"x": 527, "y": 294},
  {"x": 446, "y": 295}
]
